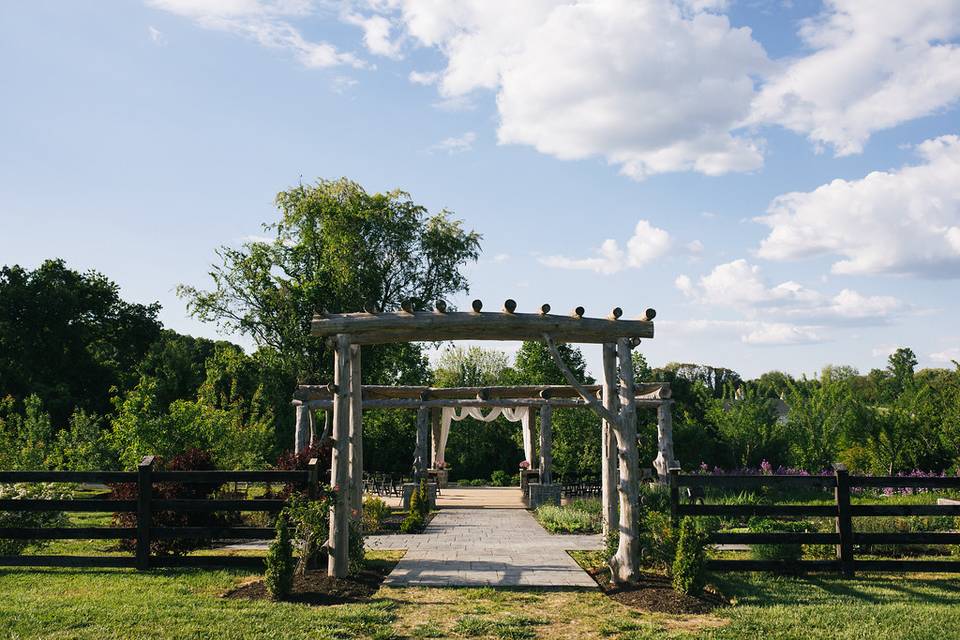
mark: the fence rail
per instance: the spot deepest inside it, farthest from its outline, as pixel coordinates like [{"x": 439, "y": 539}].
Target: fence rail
[
  {"x": 144, "y": 506},
  {"x": 844, "y": 537}
]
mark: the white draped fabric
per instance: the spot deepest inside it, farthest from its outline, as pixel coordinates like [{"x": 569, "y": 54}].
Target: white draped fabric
[{"x": 513, "y": 414}]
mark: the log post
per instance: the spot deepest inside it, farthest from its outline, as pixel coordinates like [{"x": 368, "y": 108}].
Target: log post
[
  {"x": 608, "y": 444},
  {"x": 624, "y": 566},
  {"x": 339, "y": 538},
  {"x": 435, "y": 426},
  {"x": 546, "y": 444},
  {"x": 665, "y": 460},
  {"x": 420, "y": 454},
  {"x": 327, "y": 425},
  {"x": 356, "y": 435},
  {"x": 844, "y": 524},
  {"x": 301, "y": 434},
  {"x": 144, "y": 515}
]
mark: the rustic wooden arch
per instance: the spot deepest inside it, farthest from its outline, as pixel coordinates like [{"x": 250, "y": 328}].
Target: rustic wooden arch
[{"x": 615, "y": 402}]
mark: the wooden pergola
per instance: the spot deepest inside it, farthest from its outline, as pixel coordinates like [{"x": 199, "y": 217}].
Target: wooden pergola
[{"x": 615, "y": 401}]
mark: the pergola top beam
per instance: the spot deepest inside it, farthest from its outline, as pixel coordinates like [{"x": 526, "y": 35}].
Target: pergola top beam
[
  {"x": 435, "y": 326},
  {"x": 307, "y": 393}
]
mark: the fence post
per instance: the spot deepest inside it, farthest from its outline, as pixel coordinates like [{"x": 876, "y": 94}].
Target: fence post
[
  {"x": 144, "y": 494},
  {"x": 844, "y": 521},
  {"x": 675, "y": 496},
  {"x": 313, "y": 491}
]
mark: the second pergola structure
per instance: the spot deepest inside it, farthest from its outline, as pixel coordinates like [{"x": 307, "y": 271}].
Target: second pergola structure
[{"x": 615, "y": 401}]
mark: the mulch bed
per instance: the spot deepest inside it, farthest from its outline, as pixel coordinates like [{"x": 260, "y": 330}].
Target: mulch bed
[
  {"x": 319, "y": 589},
  {"x": 655, "y": 593},
  {"x": 391, "y": 524}
]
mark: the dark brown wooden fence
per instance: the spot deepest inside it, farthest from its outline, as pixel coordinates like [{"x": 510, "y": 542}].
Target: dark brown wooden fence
[
  {"x": 144, "y": 505},
  {"x": 844, "y": 536}
]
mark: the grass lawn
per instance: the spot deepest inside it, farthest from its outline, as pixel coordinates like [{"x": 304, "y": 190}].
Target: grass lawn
[{"x": 186, "y": 603}]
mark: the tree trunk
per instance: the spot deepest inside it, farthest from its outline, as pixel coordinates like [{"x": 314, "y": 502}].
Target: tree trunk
[
  {"x": 624, "y": 566},
  {"x": 608, "y": 444},
  {"x": 339, "y": 539}
]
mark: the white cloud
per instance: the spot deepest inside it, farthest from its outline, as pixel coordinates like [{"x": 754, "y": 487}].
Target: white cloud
[
  {"x": 156, "y": 36},
  {"x": 883, "y": 350},
  {"x": 694, "y": 247},
  {"x": 376, "y": 34},
  {"x": 456, "y": 144},
  {"x": 869, "y": 69},
  {"x": 618, "y": 79},
  {"x": 645, "y": 245},
  {"x": 501, "y": 257},
  {"x": 424, "y": 78},
  {"x": 779, "y": 333},
  {"x": 905, "y": 221},
  {"x": 268, "y": 22},
  {"x": 741, "y": 286},
  {"x": 947, "y": 355},
  {"x": 750, "y": 332}
]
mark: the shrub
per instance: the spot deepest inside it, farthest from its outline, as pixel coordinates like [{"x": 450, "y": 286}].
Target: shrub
[
  {"x": 356, "y": 551},
  {"x": 424, "y": 497},
  {"x": 192, "y": 460},
  {"x": 500, "y": 478},
  {"x": 416, "y": 504},
  {"x": 658, "y": 542},
  {"x": 413, "y": 523},
  {"x": 568, "y": 519},
  {"x": 311, "y": 524},
  {"x": 32, "y": 491},
  {"x": 655, "y": 497},
  {"x": 279, "y": 573},
  {"x": 690, "y": 563},
  {"x": 777, "y": 551},
  {"x": 375, "y": 511}
]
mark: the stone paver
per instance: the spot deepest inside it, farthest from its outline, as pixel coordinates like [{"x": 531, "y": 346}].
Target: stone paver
[{"x": 477, "y": 547}]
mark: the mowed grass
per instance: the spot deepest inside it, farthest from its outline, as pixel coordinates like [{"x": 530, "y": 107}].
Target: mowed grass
[{"x": 186, "y": 603}]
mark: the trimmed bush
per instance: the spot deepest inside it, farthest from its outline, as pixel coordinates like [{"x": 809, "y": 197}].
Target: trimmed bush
[
  {"x": 356, "y": 552},
  {"x": 413, "y": 523},
  {"x": 500, "y": 478},
  {"x": 690, "y": 563},
  {"x": 572, "y": 518},
  {"x": 279, "y": 573},
  {"x": 375, "y": 511}
]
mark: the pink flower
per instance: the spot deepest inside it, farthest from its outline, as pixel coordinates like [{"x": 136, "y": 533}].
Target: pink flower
[{"x": 524, "y": 464}]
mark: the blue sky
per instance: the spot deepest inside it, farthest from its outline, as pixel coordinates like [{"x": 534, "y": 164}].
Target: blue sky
[{"x": 781, "y": 181}]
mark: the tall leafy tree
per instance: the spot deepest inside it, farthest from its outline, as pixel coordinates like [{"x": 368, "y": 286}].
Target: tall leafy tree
[
  {"x": 69, "y": 338},
  {"x": 336, "y": 247}
]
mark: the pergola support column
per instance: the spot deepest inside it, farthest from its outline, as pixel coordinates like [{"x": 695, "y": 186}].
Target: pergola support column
[
  {"x": 423, "y": 444},
  {"x": 624, "y": 566},
  {"x": 435, "y": 427},
  {"x": 302, "y": 429},
  {"x": 665, "y": 460},
  {"x": 356, "y": 435},
  {"x": 339, "y": 538},
  {"x": 546, "y": 444},
  {"x": 608, "y": 443}
]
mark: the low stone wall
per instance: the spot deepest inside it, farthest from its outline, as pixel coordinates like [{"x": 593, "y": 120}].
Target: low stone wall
[
  {"x": 408, "y": 489},
  {"x": 539, "y": 494}
]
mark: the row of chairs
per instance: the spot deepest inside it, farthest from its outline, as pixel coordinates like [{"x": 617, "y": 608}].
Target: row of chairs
[
  {"x": 574, "y": 487},
  {"x": 384, "y": 484}
]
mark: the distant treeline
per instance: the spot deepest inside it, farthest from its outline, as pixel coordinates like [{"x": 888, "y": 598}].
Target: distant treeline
[{"x": 89, "y": 380}]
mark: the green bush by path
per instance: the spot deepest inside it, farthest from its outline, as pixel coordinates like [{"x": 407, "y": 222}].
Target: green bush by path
[
  {"x": 690, "y": 564},
  {"x": 279, "y": 573}
]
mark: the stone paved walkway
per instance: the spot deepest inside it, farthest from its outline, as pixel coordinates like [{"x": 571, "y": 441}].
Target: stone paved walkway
[{"x": 496, "y": 547}]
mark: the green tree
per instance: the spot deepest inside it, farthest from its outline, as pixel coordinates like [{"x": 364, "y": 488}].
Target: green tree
[
  {"x": 751, "y": 430},
  {"x": 335, "y": 247},
  {"x": 69, "y": 338}
]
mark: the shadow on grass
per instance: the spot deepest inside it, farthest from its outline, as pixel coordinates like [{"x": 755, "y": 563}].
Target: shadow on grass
[{"x": 756, "y": 589}]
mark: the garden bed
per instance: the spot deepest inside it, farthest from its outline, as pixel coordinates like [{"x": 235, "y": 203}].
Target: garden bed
[
  {"x": 654, "y": 593},
  {"x": 318, "y": 589}
]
